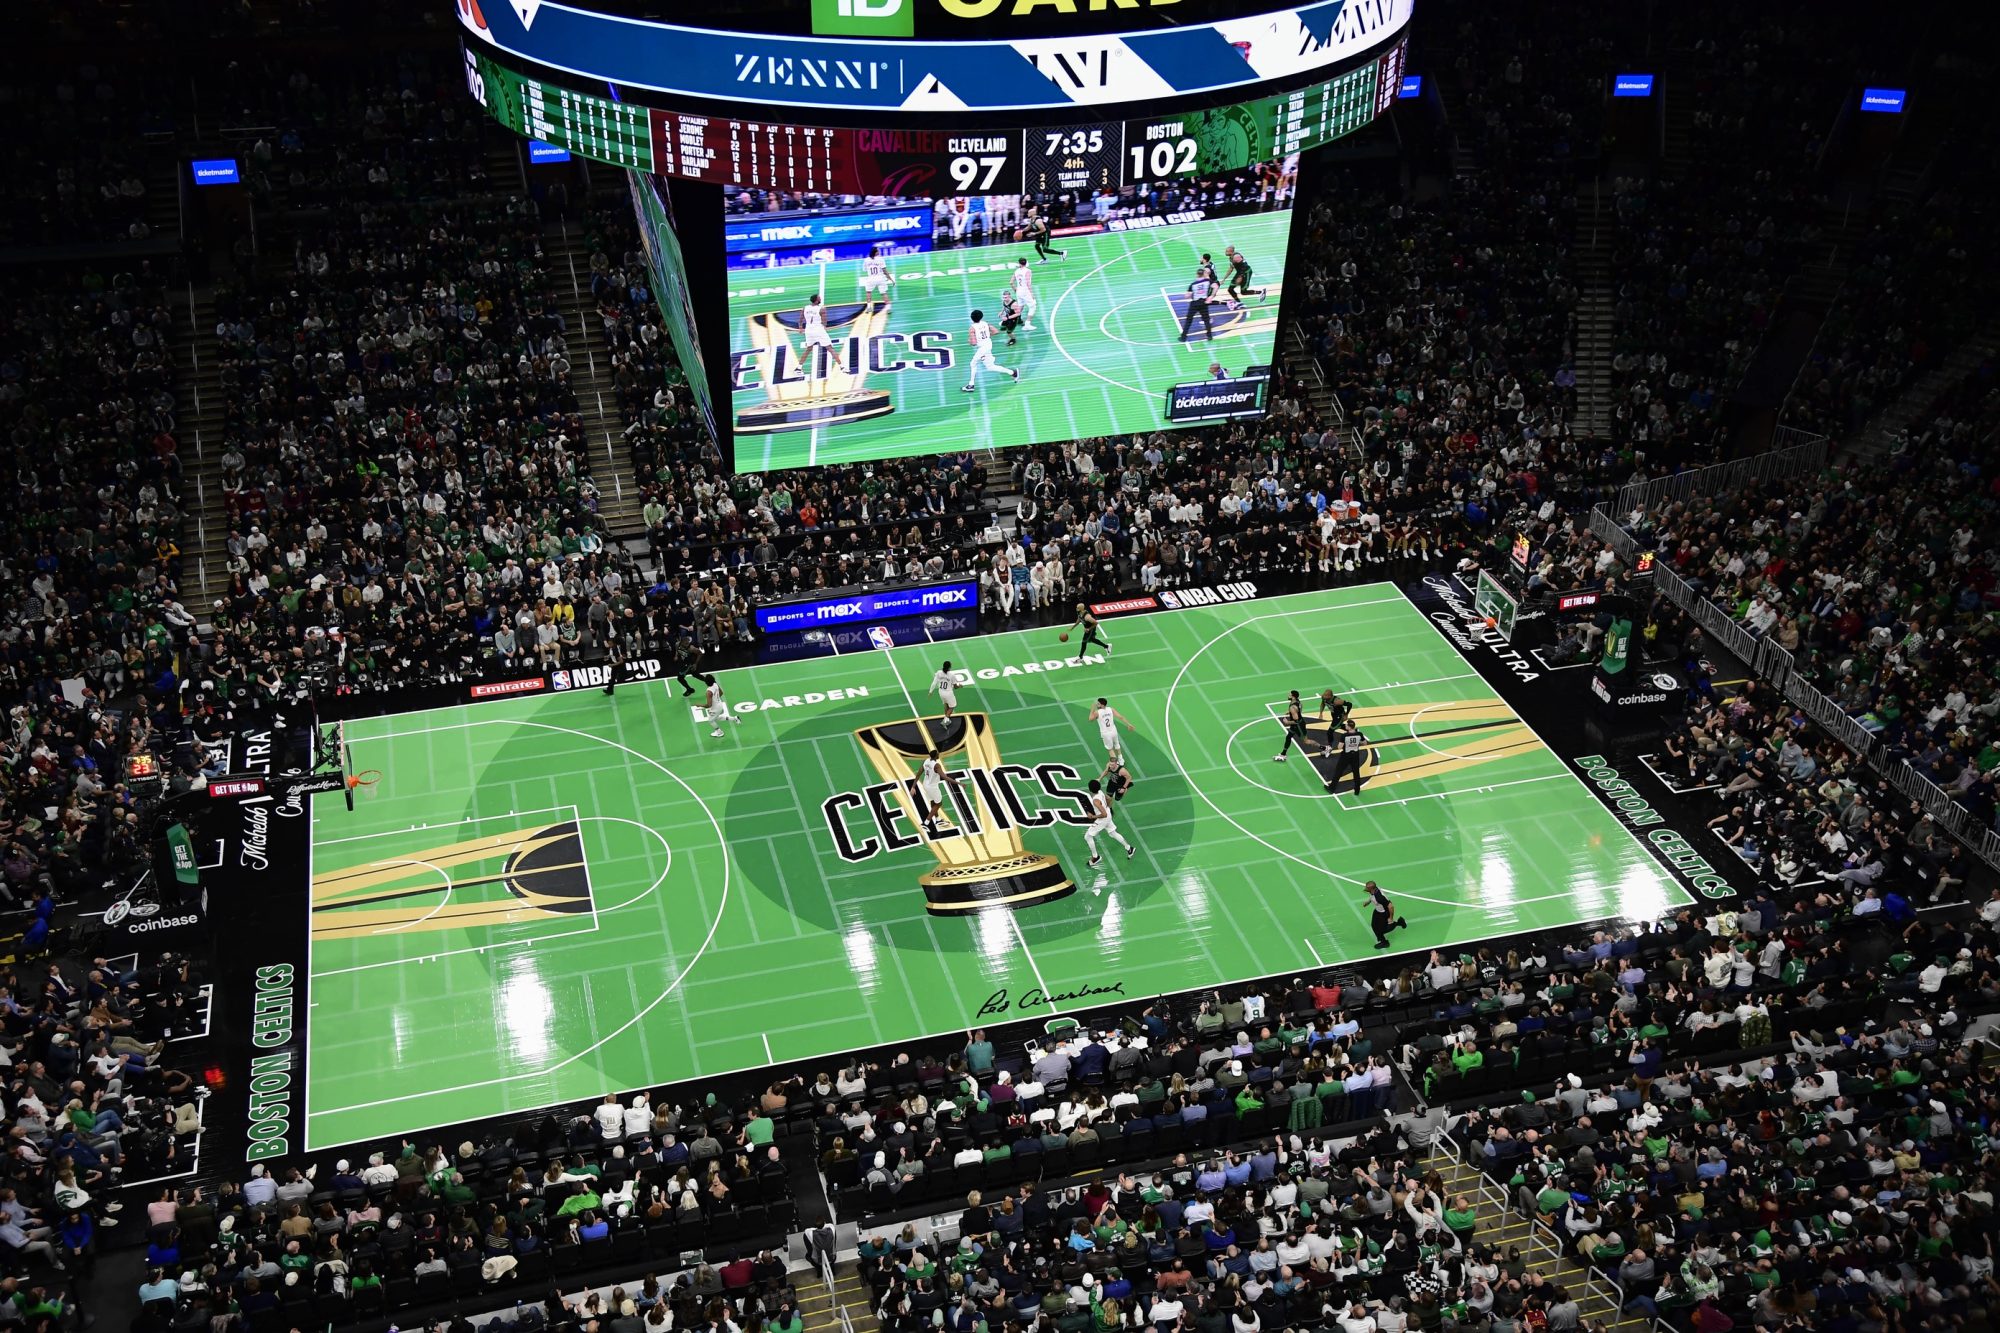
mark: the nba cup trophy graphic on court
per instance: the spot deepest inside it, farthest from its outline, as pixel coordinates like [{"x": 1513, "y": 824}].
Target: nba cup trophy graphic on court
[
  {"x": 807, "y": 386},
  {"x": 981, "y": 859}
]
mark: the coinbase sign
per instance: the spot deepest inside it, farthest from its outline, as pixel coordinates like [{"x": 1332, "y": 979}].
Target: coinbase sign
[
  {"x": 216, "y": 171},
  {"x": 852, "y": 608},
  {"x": 1886, "y": 100}
]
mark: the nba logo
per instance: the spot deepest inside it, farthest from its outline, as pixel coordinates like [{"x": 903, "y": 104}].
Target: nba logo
[
  {"x": 559, "y": 679},
  {"x": 878, "y": 637}
]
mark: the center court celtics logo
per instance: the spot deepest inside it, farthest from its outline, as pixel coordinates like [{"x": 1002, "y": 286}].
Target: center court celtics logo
[
  {"x": 1010, "y": 834},
  {"x": 978, "y": 841}
]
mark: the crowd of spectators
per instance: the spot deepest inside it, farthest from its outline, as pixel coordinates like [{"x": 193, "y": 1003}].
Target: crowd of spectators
[
  {"x": 77, "y": 168},
  {"x": 421, "y": 1222},
  {"x": 1843, "y": 1181},
  {"x": 1178, "y": 1076},
  {"x": 91, "y": 1097},
  {"x": 1689, "y": 1108},
  {"x": 1915, "y": 289},
  {"x": 326, "y": 132},
  {"x": 1881, "y": 586},
  {"x": 405, "y": 477},
  {"x": 409, "y": 499}
]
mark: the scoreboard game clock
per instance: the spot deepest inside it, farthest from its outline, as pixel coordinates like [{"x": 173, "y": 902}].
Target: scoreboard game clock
[
  {"x": 812, "y": 154},
  {"x": 1076, "y": 158}
]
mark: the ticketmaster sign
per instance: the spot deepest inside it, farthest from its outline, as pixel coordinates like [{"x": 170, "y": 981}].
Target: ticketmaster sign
[{"x": 863, "y": 72}]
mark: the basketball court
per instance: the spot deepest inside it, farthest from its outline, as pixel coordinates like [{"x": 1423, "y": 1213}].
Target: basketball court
[
  {"x": 1105, "y": 348},
  {"x": 548, "y": 898}
]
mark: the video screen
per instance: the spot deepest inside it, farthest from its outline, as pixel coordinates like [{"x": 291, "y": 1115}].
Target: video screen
[
  {"x": 652, "y": 203},
  {"x": 888, "y": 327}
]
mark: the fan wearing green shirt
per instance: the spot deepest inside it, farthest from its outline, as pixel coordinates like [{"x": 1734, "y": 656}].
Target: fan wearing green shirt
[{"x": 759, "y": 1130}]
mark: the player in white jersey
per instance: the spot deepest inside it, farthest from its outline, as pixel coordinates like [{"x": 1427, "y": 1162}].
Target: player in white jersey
[
  {"x": 931, "y": 778},
  {"x": 817, "y": 336},
  {"x": 1107, "y": 719},
  {"x": 1101, "y": 825},
  {"x": 1024, "y": 291},
  {"x": 945, "y": 686},
  {"x": 981, "y": 336},
  {"x": 718, "y": 709},
  {"x": 875, "y": 278}
]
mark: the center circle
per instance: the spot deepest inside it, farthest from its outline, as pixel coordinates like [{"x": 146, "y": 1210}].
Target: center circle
[{"x": 872, "y": 882}]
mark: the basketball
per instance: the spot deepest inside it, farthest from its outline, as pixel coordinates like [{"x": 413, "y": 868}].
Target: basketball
[
  {"x": 1491, "y": 622},
  {"x": 1064, "y": 636}
]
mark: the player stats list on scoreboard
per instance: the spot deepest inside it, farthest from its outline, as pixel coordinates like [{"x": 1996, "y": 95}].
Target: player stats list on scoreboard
[
  {"x": 593, "y": 127},
  {"x": 817, "y": 158},
  {"x": 808, "y": 159},
  {"x": 726, "y": 151}
]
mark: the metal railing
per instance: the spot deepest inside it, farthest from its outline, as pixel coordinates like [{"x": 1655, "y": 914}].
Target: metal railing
[
  {"x": 833, "y": 1296},
  {"x": 1541, "y": 1235},
  {"x": 1803, "y": 458},
  {"x": 1767, "y": 660}
]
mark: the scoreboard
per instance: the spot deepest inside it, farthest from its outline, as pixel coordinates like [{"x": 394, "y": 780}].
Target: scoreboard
[{"x": 1079, "y": 157}]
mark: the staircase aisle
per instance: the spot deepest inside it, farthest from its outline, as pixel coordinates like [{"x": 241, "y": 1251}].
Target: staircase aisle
[
  {"x": 200, "y": 413},
  {"x": 1305, "y": 371},
  {"x": 618, "y": 499},
  {"x": 1500, "y": 1228},
  {"x": 163, "y": 191},
  {"x": 1879, "y": 435},
  {"x": 1596, "y": 330},
  {"x": 822, "y": 1309},
  {"x": 1002, "y": 495}
]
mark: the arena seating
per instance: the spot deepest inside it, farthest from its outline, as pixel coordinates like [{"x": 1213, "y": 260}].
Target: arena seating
[{"x": 1773, "y": 1114}]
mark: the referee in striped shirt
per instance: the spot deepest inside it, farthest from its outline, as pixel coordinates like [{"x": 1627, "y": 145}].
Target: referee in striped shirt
[
  {"x": 1199, "y": 292},
  {"x": 1350, "y": 752}
]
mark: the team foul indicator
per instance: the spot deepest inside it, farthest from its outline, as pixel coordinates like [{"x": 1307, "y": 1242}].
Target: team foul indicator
[{"x": 1075, "y": 157}]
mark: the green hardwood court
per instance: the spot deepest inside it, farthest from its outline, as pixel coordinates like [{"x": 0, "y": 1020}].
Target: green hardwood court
[
  {"x": 1105, "y": 348},
  {"x": 549, "y": 898}
]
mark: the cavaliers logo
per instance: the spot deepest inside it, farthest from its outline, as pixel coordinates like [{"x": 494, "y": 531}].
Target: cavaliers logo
[
  {"x": 518, "y": 875},
  {"x": 907, "y": 181}
]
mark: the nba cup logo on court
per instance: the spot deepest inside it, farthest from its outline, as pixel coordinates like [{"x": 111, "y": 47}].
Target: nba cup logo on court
[
  {"x": 982, "y": 860},
  {"x": 814, "y": 360}
]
